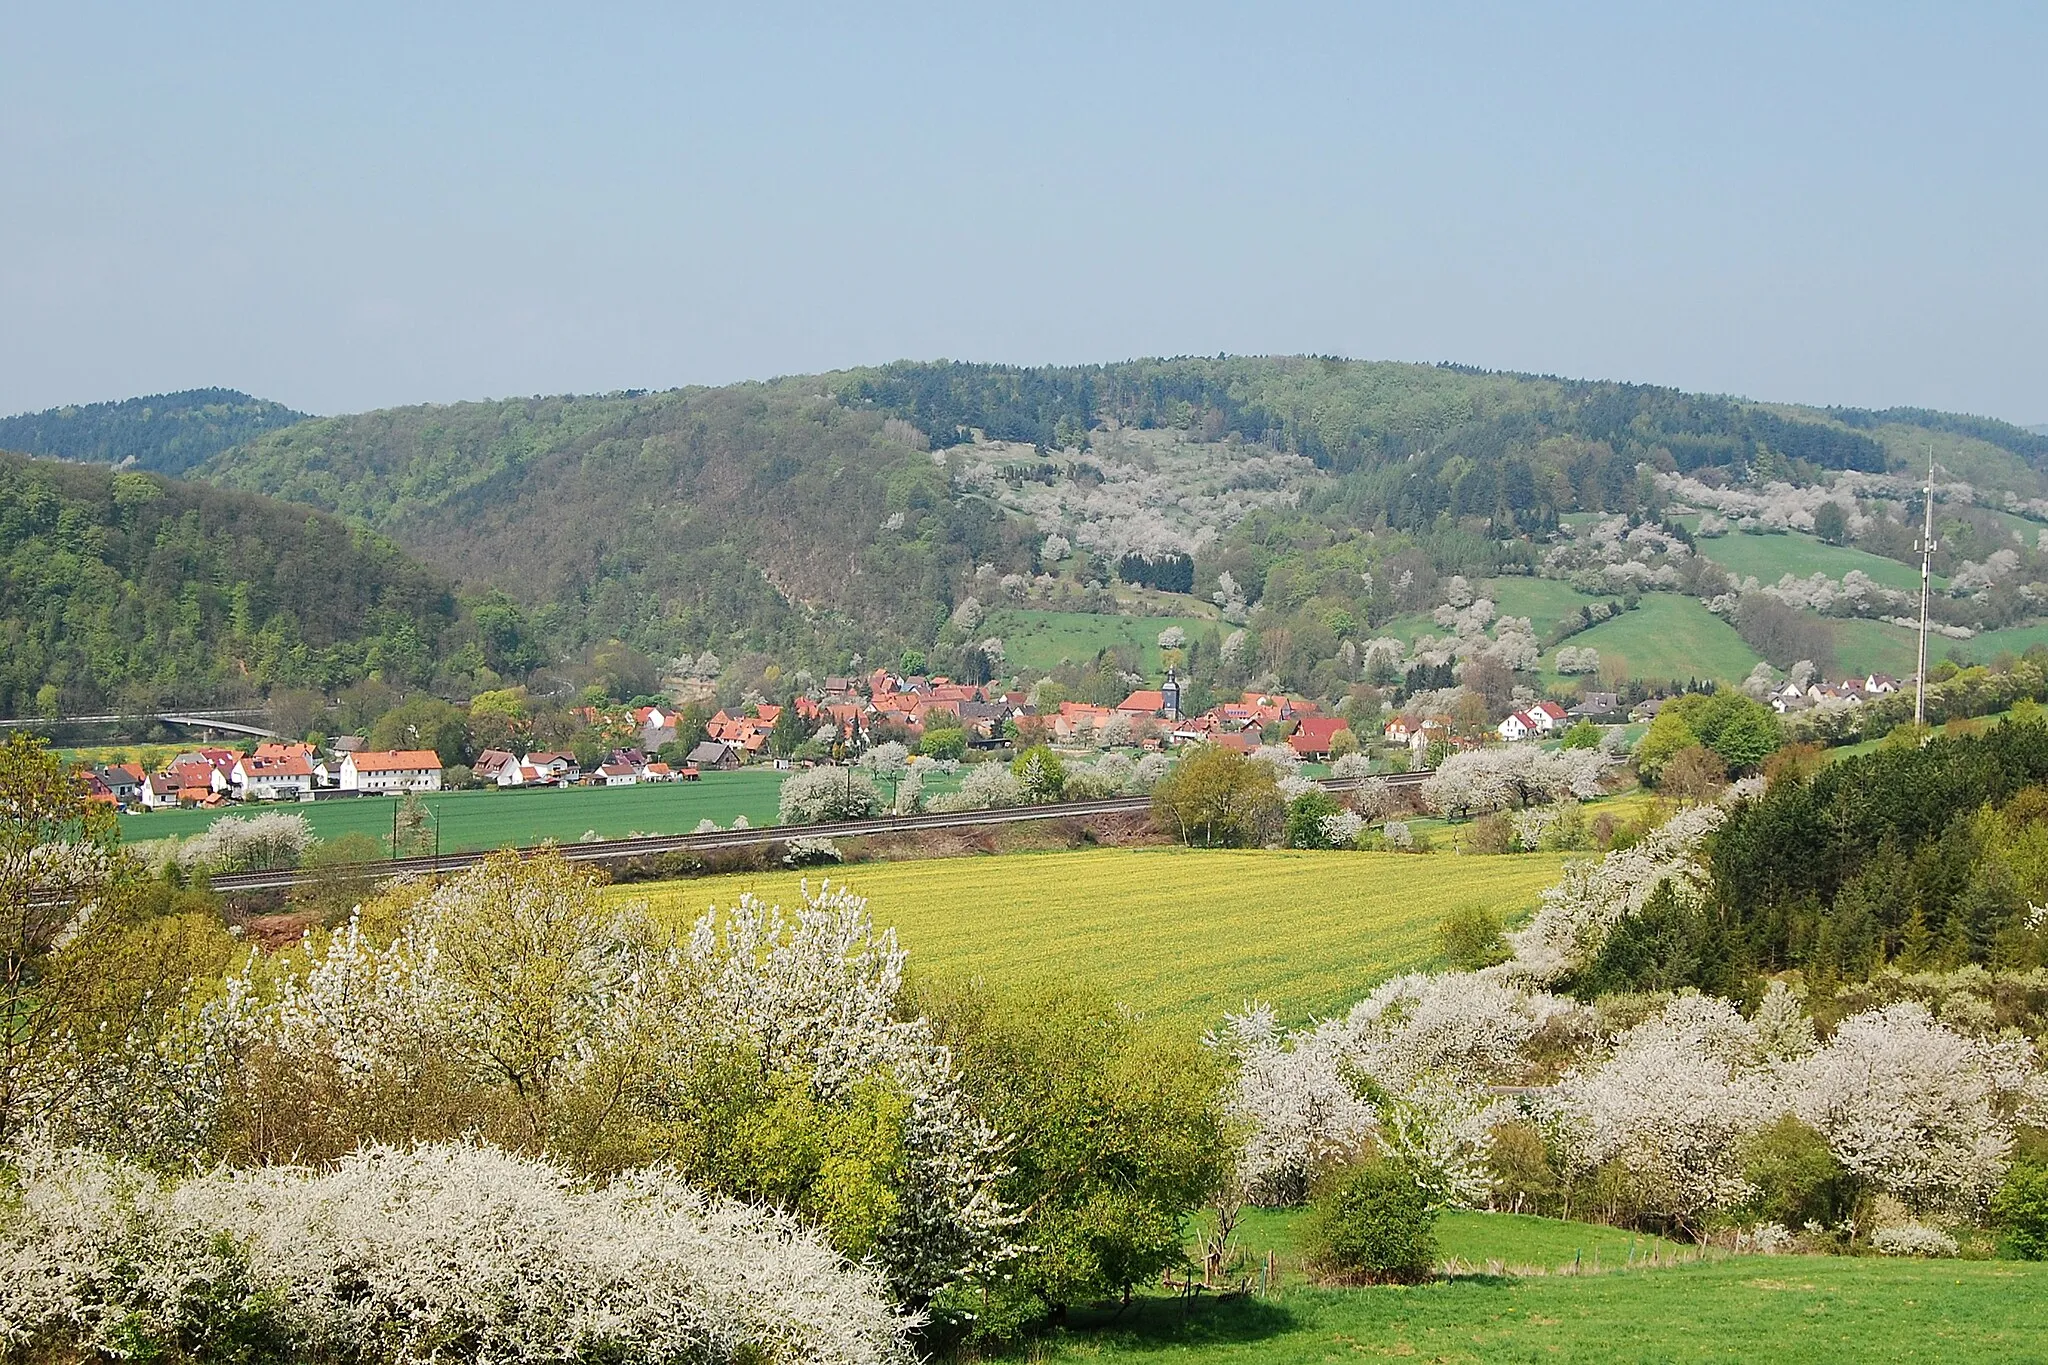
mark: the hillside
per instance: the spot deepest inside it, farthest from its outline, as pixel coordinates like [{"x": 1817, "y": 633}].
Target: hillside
[
  {"x": 165, "y": 433},
  {"x": 758, "y": 517},
  {"x": 129, "y": 590},
  {"x": 812, "y": 519}
]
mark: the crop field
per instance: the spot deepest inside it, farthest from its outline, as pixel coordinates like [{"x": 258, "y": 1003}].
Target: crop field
[
  {"x": 1668, "y": 636},
  {"x": 493, "y": 819},
  {"x": 1770, "y": 558},
  {"x": 1810, "y": 1309},
  {"x": 1177, "y": 932},
  {"x": 1040, "y": 640}
]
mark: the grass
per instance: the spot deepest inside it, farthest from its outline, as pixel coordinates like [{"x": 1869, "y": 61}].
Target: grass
[
  {"x": 1042, "y": 640},
  {"x": 1173, "y": 932},
  {"x": 1667, "y": 637},
  {"x": 1863, "y": 647},
  {"x": 1770, "y": 558},
  {"x": 494, "y": 819},
  {"x": 1519, "y": 1243},
  {"x": 1818, "y": 1311}
]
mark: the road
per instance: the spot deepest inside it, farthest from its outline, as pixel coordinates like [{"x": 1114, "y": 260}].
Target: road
[{"x": 616, "y": 850}]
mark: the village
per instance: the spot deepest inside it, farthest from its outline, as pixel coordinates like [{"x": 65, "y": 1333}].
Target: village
[{"x": 846, "y": 716}]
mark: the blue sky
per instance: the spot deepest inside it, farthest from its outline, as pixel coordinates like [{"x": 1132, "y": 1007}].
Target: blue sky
[{"x": 381, "y": 204}]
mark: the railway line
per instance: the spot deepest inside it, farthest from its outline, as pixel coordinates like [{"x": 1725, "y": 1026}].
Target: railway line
[{"x": 619, "y": 850}]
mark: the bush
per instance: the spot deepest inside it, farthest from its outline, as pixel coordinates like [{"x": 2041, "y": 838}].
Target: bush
[
  {"x": 1371, "y": 1224},
  {"x": 2020, "y": 1211},
  {"x": 1041, "y": 772},
  {"x": 1472, "y": 937},
  {"x": 436, "y": 1252},
  {"x": 1797, "y": 1178},
  {"x": 1912, "y": 1239},
  {"x": 1306, "y": 817},
  {"x": 1490, "y": 834}
]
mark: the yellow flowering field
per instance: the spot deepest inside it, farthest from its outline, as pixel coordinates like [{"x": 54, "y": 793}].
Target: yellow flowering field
[{"x": 1171, "y": 931}]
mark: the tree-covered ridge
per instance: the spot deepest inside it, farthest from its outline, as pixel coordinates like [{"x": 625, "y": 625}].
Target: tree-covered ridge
[
  {"x": 812, "y": 518},
  {"x": 166, "y": 433},
  {"x": 120, "y": 589},
  {"x": 765, "y": 517}
]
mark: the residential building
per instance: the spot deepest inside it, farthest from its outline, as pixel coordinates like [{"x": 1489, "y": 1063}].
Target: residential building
[
  {"x": 285, "y": 776},
  {"x": 714, "y": 754},
  {"x": 1312, "y": 737},
  {"x": 1518, "y": 726},
  {"x": 395, "y": 770}
]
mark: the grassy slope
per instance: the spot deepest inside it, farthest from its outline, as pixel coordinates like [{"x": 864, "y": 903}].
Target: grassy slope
[
  {"x": 1863, "y": 647},
  {"x": 1770, "y": 558},
  {"x": 1818, "y": 1311},
  {"x": 1172, "y": 931},
  {"x": 1543, "y": 600},
  {"x": 493, "y": 819},
  {"x": 1667, "y": 637},
  {"x": 1040, "y": 640}
]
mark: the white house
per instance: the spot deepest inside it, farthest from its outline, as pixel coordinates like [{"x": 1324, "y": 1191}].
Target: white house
[
  {"x": 554, "y": 767},
  {"x": 397, "y": 770},
  {"x": 282, "y": 777},
  {"x": 1548, "y": 717},
  {"x": 1519, "y": 726},
  {"x": 618, "y": 775}
]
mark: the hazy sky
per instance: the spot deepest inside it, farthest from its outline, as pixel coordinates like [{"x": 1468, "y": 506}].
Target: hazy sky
[{"x": 381, "y": 204}]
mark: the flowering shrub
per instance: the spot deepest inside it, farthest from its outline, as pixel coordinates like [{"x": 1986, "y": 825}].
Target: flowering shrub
[
  {"x": 823, "y": 794},
  {"x": 405, "y": 1256},
  {"x": 987, "y": 786},
  {"x": 514, "y": 1003},
  {"x": 247, "y": 844},
  {"x": 1913, "y": 1107},
  {"x": 810, "y": 850},
  {"x": 1912, "y": 1239}
]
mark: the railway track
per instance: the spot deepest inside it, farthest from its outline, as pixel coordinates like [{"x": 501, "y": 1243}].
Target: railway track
[{"x": 619, "y": 850}]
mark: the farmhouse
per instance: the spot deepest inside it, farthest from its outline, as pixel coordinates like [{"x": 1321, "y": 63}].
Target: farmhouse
[
  {"x": 396, "y": 770},
  {"x": 617, "y": 775}
]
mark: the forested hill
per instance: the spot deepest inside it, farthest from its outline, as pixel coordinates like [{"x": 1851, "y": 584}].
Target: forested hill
[
  {"x": 129, "y": 590},
  {"x": 775, "y": 517},
  {"x": 805, "y": 517},
  {"x": 165, "y": 433}
]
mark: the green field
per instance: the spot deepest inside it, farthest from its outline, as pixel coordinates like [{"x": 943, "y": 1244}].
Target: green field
[
  {"x": 1811, "y": 1310},
  {"x": 1041, "y": 640},
  {"x": 1516, "y": 1243},
  {"x": 1770, "y": 558},
  {"x": 1667, "y": 637},
  {"x": 1864, "y": 647},
  {"x": 1545, "y": 601},
  {"x": 494, "y": 819},
  {"x": 1171, "y": 931}
]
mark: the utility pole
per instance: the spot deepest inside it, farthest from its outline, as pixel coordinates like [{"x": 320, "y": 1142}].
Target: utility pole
[{"x": 1926, "y": 551}]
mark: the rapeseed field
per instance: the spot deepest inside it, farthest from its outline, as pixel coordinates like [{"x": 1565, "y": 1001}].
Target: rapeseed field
[{"x": 1170, "y": 931}]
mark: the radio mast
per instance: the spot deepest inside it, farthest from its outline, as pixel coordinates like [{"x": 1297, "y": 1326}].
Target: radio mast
[{"x": 1926, "y": 552}]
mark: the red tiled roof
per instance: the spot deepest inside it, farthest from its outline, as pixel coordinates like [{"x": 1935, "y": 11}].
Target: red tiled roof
[{"x": 398, "y": 760}]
